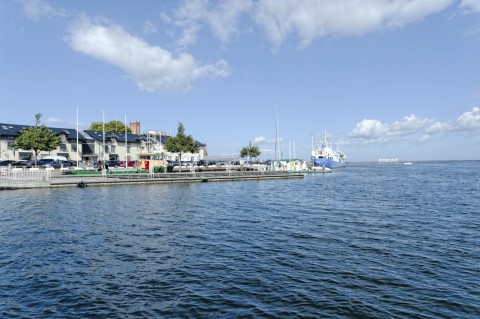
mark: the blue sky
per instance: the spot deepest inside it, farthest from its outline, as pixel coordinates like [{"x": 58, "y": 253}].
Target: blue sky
[{"x": 385, "y": 78}]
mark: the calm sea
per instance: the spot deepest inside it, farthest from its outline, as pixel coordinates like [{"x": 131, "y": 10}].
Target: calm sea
[{"x": 373, "y": 241}]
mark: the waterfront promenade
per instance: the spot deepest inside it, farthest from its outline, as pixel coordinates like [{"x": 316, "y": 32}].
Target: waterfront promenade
[{"x": 59, "y": 180}]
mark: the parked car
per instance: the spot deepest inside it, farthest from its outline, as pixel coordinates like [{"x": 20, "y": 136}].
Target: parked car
[
  {"x": 43, "y": 162},
  {"x": 23, "y": 163},
  {"x": 113, "y": 163},
  {"x": 189, "y": 163},
  {"x": 53, "y": 163},
  {"x": 6, "y": 162}
]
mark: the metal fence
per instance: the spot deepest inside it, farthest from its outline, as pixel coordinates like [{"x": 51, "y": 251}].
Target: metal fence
[{"x": 25, "y": 174}]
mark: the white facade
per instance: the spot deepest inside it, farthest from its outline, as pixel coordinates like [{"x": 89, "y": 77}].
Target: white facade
[{"x": 94, "y": 146}]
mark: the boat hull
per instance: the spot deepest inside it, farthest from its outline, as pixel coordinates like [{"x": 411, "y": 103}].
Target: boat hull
[{"x": 329, "y": 163}]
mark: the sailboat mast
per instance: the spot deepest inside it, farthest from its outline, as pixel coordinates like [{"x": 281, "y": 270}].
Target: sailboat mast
[
  {"x": 77, "y": 137},
  {"x": 276, "y": 135},
  {"x": 103, "y": 138},
  {"x": 126, "y": 142}
]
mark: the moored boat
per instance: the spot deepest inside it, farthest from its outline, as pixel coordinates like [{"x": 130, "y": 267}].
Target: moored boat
[{"x": 325, "y": 156}]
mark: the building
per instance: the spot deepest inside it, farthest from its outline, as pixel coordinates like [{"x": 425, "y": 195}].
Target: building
[
  {"x": 67, "y": 147},
  {"x": 111, "y": 146},
  {"x": 154, "y": 143},
  {"x": 95, "y": 145},
  {"x": 135, "y": 127}
]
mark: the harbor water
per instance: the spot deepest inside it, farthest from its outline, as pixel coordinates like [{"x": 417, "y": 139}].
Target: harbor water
[{"x": 367, "y": 241}]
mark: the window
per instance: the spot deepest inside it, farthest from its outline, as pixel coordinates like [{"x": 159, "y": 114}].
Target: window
[
  {"x": 63, "y": 147},
  {"x": 74, "y": 147},
  {"x": 10, "y": 146},
  {"x": 112, "y": 149}
]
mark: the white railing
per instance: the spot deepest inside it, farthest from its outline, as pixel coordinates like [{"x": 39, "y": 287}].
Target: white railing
[{"x": 25, "y": 174}]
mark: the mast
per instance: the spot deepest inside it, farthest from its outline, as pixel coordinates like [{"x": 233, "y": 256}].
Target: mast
[
  {"x": 77, "y": 136},
  {"x": 276, "y": 135},
  {"x": 126, "y": 144},
  {"x": 311, "y": 153},
  {"x": 103, "y": 138}
]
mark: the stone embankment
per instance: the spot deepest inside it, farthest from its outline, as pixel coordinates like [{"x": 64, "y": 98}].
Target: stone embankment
[{"x": 57, "y": 180}]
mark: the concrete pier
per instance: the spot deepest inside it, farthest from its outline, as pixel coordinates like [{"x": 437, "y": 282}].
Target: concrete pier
[{"x": 144, "y": 178}]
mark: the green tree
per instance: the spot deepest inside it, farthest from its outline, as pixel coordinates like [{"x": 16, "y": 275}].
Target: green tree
[
  {"x": 250, "y": 151},
  {"x": 181, "y": 143},
  {"x": 37, "y": 138},
  {"x": 112, "y": 126}
]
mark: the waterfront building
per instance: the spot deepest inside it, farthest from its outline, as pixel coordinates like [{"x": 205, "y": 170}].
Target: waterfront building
[
  {"x": 110, "y": 146},
  {"x": 153, "y": 142},
  {"x": 96, "y": 145},
  {"x": 67, "y": 147}
]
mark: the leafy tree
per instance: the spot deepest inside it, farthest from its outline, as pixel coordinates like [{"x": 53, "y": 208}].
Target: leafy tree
[
  {"x": 37, "y": 138},
  {"x": 250, "y": 151},
  {"x": 181, "y": 143},
  {"x": 112, "y": 126}
]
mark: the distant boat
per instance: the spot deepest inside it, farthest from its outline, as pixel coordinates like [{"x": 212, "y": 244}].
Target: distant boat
[
  {"x": 327, "y": 157},
  {"x": 408, "y": 163}
]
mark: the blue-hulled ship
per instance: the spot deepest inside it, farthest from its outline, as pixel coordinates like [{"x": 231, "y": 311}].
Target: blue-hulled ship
[{"x": 325, "y": 156}]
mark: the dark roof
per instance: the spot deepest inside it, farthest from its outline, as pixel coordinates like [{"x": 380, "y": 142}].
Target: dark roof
[
  {"x": 14, "y": 130},
  {"x": 98, "y": 136},
  {"x": 11, "y": 129}
]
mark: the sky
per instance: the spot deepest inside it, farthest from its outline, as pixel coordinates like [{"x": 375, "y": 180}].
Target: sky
[{"x": 384, "y": 78}]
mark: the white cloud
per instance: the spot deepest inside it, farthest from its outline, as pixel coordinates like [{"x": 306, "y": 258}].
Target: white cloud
[
  {"x": 438, "y": 127},
  {"x": 149, "y": 27},
  {"x": 470, "y": 5},
  {"x": 311, "y": 19},
  {"x": 408, "y": 125},
  {"x": 37, "y": 9},
  {"x": 263, "y": 140},
  {"x": 468, "y": 121},
  {"x": 151, "y": 67},
  {"x": 60, "y": 122},
  {"x": 55, "y": 120},
  {"x": 259, "y": 139},
  {"x": 307, "y": 19},
  {"x": 371, "y": 131},
  {"x": 222, "y": 19}
]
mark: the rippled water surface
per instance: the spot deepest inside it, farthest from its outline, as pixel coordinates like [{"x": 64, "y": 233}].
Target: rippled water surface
[{"x": 367, "y": 241}]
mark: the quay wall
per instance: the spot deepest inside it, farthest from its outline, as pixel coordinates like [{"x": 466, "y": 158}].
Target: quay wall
[{"x": 138, "y": 179}]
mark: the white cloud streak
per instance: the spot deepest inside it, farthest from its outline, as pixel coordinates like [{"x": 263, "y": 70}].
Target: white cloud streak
[
  {"x": 311, "y": 19},
  {"x": 59, "y": 121},
  {"x": 151, "y": 67},
  {"x": 263, "y": 140},
  {"x": 306, "y": 19},
  {"x": 470, "y": 5},
  {"x": 149, "y": 27},
  {"x": 38, "y": 9},
  {"x": 374, "y": 131},
  {"x": 222, "y": 19}
]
